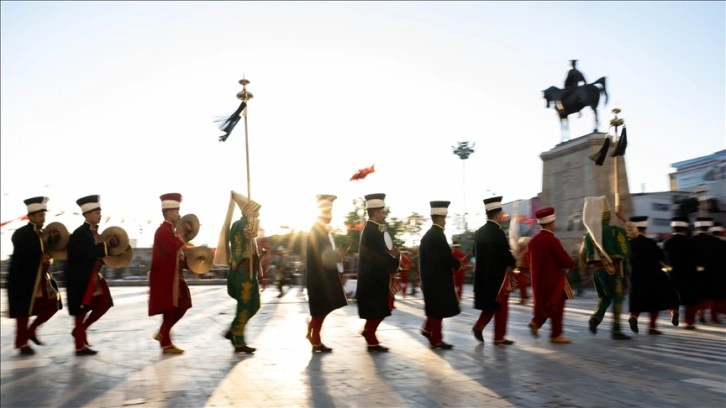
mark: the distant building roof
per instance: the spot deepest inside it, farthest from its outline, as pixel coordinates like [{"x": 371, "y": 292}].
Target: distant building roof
[{"x": 697, "y": 161}]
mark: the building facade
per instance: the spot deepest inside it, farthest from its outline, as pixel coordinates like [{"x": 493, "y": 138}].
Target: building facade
[
  {"x": 659, "y": 207},
  {"x": 704, "y": 179}
]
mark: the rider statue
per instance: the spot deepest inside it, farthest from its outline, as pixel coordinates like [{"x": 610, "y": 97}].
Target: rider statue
[{"x": 573, "y": 80}]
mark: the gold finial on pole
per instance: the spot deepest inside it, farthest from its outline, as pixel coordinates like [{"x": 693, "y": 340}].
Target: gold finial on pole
[{"x": 244, "y": 94}]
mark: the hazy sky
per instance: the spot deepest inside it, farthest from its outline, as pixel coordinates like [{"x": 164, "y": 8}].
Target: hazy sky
[{"x": 118, "y": 99}]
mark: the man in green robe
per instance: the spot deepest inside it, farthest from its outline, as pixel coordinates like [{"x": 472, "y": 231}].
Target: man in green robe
[
  {"x": 606, "y": 250},
  {"x": 244, "y": 267}
]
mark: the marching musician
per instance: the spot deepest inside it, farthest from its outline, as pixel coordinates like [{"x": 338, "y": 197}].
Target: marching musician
[
  {"x": 89, "y": 297},
  {"x": 606, "y": 249},
  {"x": 491, "y": 274},
  {"x": 651, "y": 290},
  {"x": 549, "y": 263},
  {"x": 323, "y": 268},
  {"x": 438, "y": 263},
  {"x": 719, "y": 307},
  {"x": 238, "y": 248},
  {"x": 709, "y": 266},
  {"x": 169, "y": 294},
  {"x": 31, "y": 289},
  {"x": 374, "y": 270},
  {"x": 679, "y": 252}
]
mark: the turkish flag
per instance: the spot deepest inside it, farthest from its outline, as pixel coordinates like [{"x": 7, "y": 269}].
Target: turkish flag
[{"x": 362, "y": 173}]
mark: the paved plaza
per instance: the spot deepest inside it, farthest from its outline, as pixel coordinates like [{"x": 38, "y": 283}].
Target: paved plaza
[{"x": 677, "y": 369}]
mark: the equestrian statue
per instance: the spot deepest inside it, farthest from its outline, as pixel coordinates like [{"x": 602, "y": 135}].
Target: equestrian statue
[{"x": 577, "y": 95}]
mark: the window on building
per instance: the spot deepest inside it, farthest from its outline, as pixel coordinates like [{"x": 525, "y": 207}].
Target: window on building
[
  {"x": 660, "y": 207},
  {"x": 662, "y": 222}
]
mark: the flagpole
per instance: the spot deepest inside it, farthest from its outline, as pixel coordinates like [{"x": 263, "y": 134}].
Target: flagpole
[
  {"x": 616, "y": 122},
  {"x": 245, "y": 96}
]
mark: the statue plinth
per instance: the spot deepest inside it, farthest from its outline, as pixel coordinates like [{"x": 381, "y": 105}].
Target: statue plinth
[{"x": 568, "y": 176}]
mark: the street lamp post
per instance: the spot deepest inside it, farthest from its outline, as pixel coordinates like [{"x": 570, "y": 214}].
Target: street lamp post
[
  {"x": 616, "y": 122},
  {"x": 463, "y": 150}
]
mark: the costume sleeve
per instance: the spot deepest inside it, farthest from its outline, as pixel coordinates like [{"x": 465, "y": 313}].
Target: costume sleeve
[
  {"x": 562, "y": 258},
  {"x": 623, "y": 243},
  {"x": 237, "y": 241},
  {"x": 372, "y": 241},
  {"x": 22, "y": 244},
  {"x": 589, "y": 248},
  {"x": 503, "y": 249},
  {"x": 444, "y": 252},
  {"x": 167, "y": 243}
]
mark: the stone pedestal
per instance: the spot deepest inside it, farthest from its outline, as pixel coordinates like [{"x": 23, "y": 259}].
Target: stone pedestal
[{"x": 569, "y": 175}]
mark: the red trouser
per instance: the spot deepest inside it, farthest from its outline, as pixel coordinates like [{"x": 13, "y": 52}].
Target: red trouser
[
  {"x": 44, "y": 308},
  {"x": 170, "y": 318},
  {"x": 555, "y": 317},
  {"x": 500, "y": 317},
  {"x": 403, "y": 282},
  {"x": 459, "y": 283},
  {"x": 314, "y": 327},
  {"x": 370, "y": 331},
  {"x": 98, "y": 306},
  {"x": 433, "y": 326},
  {"x": 691, "y": 314},
  {"x": 653, "y": 318},
  {"x": 523, "y": 280},
  {"x": 715, "y": 306}
]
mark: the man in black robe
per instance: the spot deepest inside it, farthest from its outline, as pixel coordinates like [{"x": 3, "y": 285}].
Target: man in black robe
[{"x": 438, "y": 264}]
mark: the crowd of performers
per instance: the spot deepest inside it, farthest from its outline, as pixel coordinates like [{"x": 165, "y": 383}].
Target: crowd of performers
[{"x": 689, "y": 271}]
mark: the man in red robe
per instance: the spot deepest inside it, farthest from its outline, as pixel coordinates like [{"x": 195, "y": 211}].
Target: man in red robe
[
  {"x": 168, "y": 291},
  {"x": 549, "y": 263}
]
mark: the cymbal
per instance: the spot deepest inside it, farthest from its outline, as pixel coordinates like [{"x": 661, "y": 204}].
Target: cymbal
[
  {"x": 57, "y": 236},
  {"x": 121, "y": 260},
  {"x": 192, "y": 222},
  {"x": 123, "y": 240},
  {"x": 199, "y": 260},
  {"x": 61, "y": 255}
]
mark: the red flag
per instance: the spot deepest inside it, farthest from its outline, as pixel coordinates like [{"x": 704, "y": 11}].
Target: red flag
[{"x": 362, "y": 173}]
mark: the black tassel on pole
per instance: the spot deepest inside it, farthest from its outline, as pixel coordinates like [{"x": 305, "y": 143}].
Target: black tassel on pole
[
  {"x": 622, "y": 144},
  {"x": 228, "y": 124},
  {"x": 599, "y": 157}
]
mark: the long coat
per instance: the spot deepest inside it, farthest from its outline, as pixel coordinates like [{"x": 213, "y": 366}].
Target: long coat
[
  {"x": 437, "y": 265},
  {"x": 548, "y": 263},
  {"x": 25, "y": 269},
  {"x": 325, "y": 292},
  {"x": 83, "y": 252},
  {"x": 374, "y": 270},
  {"x": 679, "y": 254},
  {"x": 167, "y": 288},
  {"x": 493, "y": 257},
  {"x": 650, "y": 288},
  {"x": 709, "y": 255}
]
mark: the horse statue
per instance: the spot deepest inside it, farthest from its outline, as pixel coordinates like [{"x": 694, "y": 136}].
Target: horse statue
[{"x": 575, "y": 100}]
